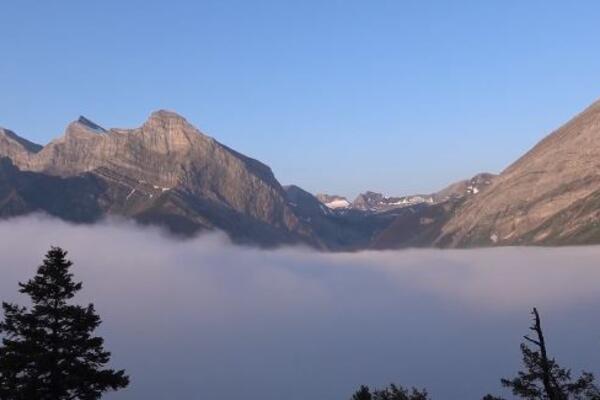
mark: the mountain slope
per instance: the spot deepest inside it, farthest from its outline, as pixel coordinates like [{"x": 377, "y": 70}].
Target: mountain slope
[
  {"x": 548, "y": 196},
  {"x": 466, "y": 187},
  {"x": 420, "y": 224}
]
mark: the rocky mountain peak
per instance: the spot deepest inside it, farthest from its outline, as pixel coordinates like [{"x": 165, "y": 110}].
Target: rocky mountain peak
[
  {"x": 167, "y": 131},
  {"x": 165, "y": 119},
  {"x": 333, "y": 201},
  {"x": 15, "y": 147},
  {"x": 82, "y": 128},
  {"x": 9, "y": 137},
  {"x": 90, "y": 124},
  {"x": 367, "y": 200}
]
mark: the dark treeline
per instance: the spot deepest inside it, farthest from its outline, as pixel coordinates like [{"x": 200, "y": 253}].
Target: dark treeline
[
  {"x": 540, "y": 379},
  {"x": 392, "y": 392}
]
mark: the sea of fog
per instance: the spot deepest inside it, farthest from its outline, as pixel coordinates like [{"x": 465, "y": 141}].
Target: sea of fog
[{"x": 204, "y": 319}]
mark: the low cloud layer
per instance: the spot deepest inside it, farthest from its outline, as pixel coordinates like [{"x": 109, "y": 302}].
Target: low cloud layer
[{"x": 204, "y": 319}]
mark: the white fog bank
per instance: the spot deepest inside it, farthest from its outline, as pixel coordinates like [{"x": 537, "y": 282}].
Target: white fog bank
[{"x": 203, "y": 319}]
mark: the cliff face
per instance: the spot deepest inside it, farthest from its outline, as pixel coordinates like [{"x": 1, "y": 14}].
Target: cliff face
[{"x": 168, "y": 170}]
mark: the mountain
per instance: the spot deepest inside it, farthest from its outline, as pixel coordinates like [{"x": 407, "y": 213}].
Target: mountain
[
  {"x": 377, "y": 202},
  {"x": 168, "y": 173},
  {"x": 416, "y": 226},
  {"x": 550, "y": 196},
  {"x": 463, "y": 188},
  {"x": 333, "y": 201},
  {"x": 338, "y": 228},
  {"x": 165, "y": 172},
  {"x": 420, "y": 224}
]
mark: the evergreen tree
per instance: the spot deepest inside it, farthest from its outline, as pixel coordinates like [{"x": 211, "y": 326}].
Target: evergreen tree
[
  {"x": 542, "y": 377},
  {"x": 48, "y": 352},
  {"x": 364, "y": 393}
]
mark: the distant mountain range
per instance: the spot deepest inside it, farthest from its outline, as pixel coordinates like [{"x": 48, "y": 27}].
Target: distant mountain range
[
  {"x": 168, "y": 173},
  {"x": 377, "y": 202}
]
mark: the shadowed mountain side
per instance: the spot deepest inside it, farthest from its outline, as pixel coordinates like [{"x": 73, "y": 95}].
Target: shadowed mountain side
[
  {"x": 88, "y": 197},
  {"x": 417, "y": 226},
  {"x": 27, "y": 192},
  {"x": 341, "y": 230}
]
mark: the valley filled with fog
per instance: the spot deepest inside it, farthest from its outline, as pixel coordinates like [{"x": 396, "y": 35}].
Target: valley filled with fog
[{"x": 204, "y": 319}]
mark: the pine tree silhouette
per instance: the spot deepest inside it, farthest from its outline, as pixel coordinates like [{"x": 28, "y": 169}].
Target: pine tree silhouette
[
  {"x": 364, "y": 393},
  {"x": 542, "y": 377},
  {"x": 48, "y": 352}
]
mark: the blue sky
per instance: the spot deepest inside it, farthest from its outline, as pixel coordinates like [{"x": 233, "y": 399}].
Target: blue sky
[{"x": 337, "y": 96}]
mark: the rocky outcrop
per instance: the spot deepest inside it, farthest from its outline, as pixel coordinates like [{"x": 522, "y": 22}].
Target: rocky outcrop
[{"x": 475, "y": 185}]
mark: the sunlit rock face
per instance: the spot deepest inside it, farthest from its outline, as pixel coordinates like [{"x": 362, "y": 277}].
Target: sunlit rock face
[
  {"x": 19, "y": 150},
  {"x": 168, "y": 170}
]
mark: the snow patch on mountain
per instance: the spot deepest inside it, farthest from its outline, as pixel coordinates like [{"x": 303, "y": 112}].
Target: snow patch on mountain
[
  {"x": 341, "y": 203},
  {"x": 333, "y": 202}
]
